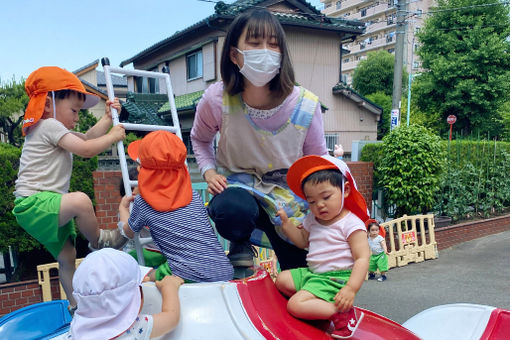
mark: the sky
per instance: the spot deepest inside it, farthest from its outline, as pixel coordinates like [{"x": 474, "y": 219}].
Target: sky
[{"x": 72, "y": 33}]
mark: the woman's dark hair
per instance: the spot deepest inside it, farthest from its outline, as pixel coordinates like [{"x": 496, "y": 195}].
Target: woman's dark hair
[
  {"x": 334, "y": 177},
  {"x": 63, "y": 94},
  {"x": 259, "y": 23}
]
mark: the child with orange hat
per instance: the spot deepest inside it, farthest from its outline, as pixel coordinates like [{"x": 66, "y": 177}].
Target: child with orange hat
[
  {"x": 173, "y": 211},
  {"x": 43, "y": 205},
  {"x": 335, "y": 235}
]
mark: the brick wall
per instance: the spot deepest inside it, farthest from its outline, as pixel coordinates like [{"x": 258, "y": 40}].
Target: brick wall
[
  {"x": 363, "y": 173},
  {"x": 14, "y": 296},
  {"x": 106, "y": 191},
  {"x": 458, "y": 233},
  {"x": 106, "y": 188}
]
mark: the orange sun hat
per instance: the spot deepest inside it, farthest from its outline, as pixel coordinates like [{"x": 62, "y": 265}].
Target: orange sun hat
[
  {"x": 164, "y": 181},
  {"x": 133, "y": 148},
  {"x": 382, "y": 231},
  {"x": 307, "y": 165},
  {"x": 47, "y": 79}
]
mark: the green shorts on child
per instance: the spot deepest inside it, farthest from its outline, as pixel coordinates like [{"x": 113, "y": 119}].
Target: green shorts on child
[
  {"x": 324, "y": 285},
  {"x": 379, "y": 261},
  {"x": 38, "y": 215}
]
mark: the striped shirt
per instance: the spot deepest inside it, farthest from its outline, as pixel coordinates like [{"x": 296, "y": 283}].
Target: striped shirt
[{"x": 185, "y": 236}]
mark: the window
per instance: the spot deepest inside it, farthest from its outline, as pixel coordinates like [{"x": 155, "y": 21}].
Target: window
[
  {"x": 417, "y": 30},
  {"x": 194, "y": 65},
  {"x": 338, "y": 4},
  {"x": 346, "y": 60},
  {"x": 363, "y": 12},
  {"x": 390, "y": 20},
  {"x": 416, "y": 64},
  {"x": 362, "y": 45},
  {"x": 419, "y": 12},
  {"x": 147, "y": 85}
]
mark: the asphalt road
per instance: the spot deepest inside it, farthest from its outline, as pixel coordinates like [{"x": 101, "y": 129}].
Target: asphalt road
[{"x": 476, "y": 271}]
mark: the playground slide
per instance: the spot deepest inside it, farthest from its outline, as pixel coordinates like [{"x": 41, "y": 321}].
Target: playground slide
[{"x": 253, "y": 309}]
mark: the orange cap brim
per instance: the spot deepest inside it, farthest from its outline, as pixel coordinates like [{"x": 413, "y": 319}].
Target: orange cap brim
[{"x": 133, "y": 148}]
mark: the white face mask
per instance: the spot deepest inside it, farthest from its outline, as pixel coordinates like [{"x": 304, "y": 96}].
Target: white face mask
[{"x": 260, "y": 66}]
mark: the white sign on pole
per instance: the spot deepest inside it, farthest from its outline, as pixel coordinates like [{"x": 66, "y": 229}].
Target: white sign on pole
[{"x": 395, "y": 119}]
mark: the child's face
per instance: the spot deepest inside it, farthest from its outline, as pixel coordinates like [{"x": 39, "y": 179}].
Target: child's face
[
  {"x": 325, "y": 201},
  {"x": 374, "y": 230},
  {"x": 67, "y": 110}
]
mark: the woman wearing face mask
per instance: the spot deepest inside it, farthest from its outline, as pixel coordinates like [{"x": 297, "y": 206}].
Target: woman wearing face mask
[{"x": 265, "y": 124}]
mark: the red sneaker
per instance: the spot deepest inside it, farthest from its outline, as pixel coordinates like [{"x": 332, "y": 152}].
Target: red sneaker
[{"x": 346, "y": 323}]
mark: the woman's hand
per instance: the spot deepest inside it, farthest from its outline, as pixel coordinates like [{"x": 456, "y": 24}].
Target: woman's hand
[{"x": 216, "y": 183}]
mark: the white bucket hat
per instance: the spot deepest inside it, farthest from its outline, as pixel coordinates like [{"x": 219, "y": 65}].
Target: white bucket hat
[{"x": 106, "y": 289}]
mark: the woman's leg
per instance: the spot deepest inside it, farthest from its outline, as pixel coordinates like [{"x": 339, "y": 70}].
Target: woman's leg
[
  {"x": 235, "y": 212},
  {"x": 289, "y": 256}
]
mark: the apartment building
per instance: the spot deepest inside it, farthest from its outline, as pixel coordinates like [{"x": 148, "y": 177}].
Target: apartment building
[{"x": 380, "y": 18}]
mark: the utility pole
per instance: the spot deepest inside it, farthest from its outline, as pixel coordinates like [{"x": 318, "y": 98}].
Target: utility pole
[{"x": 399, "y": 61}]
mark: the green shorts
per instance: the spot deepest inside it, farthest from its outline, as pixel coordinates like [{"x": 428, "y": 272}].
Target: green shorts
[
  {"x": 379, "y": 261},
  {"x": 151, "y": 258},
  {"x": 324, "y": 285},
  {"x": 164, "y": 270},
  {"x": 38, "y": 215}
]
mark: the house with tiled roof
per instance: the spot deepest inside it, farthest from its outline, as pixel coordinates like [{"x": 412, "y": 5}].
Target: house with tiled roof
[{"x": 315, "y": 42}]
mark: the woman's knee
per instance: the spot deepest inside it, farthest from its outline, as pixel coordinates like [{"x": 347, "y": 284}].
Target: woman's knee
[{"x": 234, "y": 213}]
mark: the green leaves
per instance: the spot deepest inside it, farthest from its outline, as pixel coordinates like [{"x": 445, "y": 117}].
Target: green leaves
[
  {"x": 410, "y": 169},
  {"x": 375, "y": 74},
  {"x": 467, "y": 65}
]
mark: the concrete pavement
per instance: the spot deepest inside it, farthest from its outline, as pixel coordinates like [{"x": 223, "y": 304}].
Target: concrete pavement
[{"x": 476, "y": 271}]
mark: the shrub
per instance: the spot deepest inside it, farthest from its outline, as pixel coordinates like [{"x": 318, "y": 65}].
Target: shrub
[{"x": 410, "y": 170}]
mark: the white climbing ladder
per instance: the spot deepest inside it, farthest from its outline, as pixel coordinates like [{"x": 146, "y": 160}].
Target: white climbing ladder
[{"x": 176, "y": 129}]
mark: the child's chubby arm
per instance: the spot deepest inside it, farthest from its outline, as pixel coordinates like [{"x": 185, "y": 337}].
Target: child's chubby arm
[
  {"x": 168, "y": 319},
  {"x": 105, "y": 123},
  {"x": 124, "y": 215},
  {"x": 384, "y": 247},
  {"x": 344, "y": 299},
  {"x": 91, "y": 147},
  {"x": 296, "y": 234}
]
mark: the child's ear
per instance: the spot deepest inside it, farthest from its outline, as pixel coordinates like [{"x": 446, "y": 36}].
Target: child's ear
[
  {"x": 347, "y": 189},
  {"x": 48, "y": 108}
]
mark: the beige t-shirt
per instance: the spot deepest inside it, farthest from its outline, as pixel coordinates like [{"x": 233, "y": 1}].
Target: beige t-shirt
[{"x": 44, "y": 166}]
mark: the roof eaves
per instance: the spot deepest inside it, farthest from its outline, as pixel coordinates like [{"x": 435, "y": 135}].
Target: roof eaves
[
  {"x": 86, "y": 68},
  {"x": 350, "y": 93}
]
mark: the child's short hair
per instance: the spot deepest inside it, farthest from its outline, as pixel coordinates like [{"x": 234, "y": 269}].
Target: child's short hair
[
  {"x": 334, "y": 177},
  {"x": 259, "y": 23},
  {"x": 63, "y": 94}
]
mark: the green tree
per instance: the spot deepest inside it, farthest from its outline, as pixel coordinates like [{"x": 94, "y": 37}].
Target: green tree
[
  {"x": 383, "y": 100},
  {"x": 410, "y": 170},
  {"x": 375, "y": 74},
  {"x": 13, "y": 101},
  {"x": 464, "y": 51}
]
